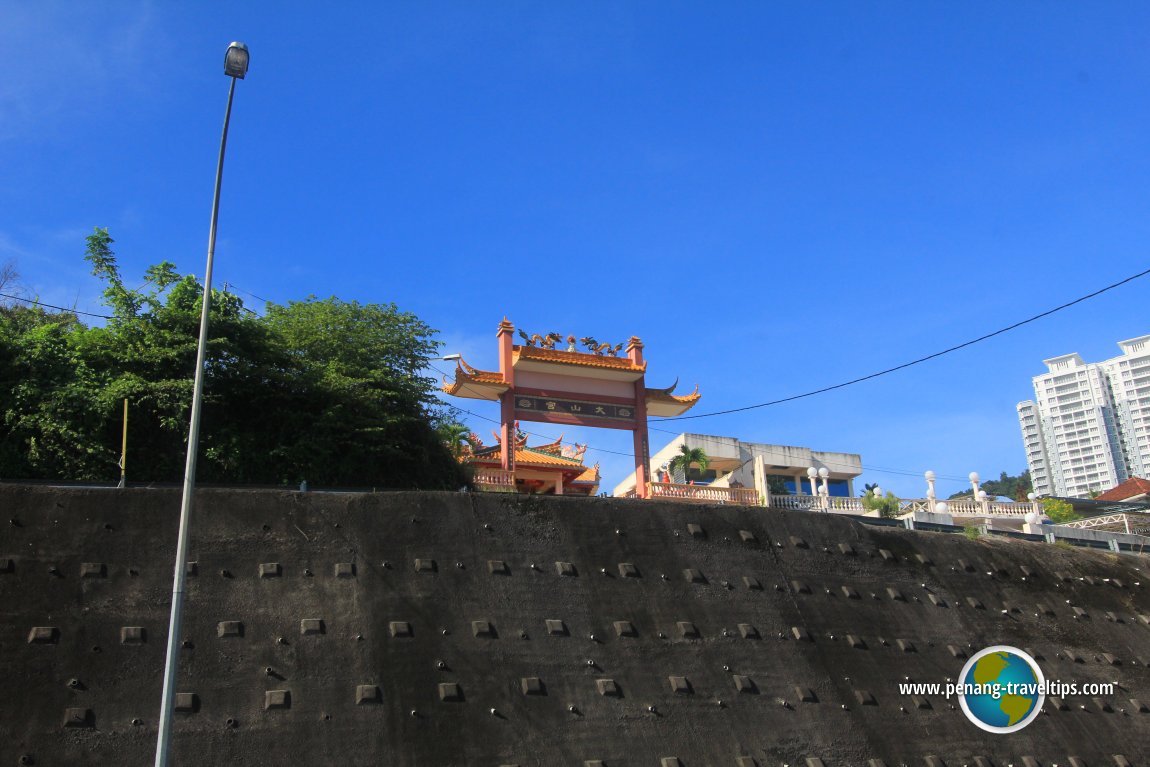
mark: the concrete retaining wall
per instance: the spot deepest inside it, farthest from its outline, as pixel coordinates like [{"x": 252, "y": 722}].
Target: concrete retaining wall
[{"x": 367, "y": 629}]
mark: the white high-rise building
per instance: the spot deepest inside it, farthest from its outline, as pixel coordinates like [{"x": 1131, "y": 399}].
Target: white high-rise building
[{"x": 1088, "y": 428}]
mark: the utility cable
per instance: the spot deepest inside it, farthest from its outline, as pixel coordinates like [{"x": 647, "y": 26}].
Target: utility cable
[
  {"x": 829, "y": 464},
  {"x": 876, "y": 469},
  {"x": 533, "y": 434},
  {"x": 541, "y": 436},
  {"x": 905, "y": 365},
  {"x": 233, "y": 286},
  {"x": 57, "y": 308}
]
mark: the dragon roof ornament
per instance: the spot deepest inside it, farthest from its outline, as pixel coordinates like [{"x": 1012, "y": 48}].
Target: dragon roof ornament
[{"x": 550, "y": 341}]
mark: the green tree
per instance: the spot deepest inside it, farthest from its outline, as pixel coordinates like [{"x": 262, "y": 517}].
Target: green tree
[
  {"x": 323, "y": 390},
  {"x": 1059, "y": 511},
  {"x": 455, "y": 435},
  {"x": 1016, "y": 487},
  {"x": 9, "y": 281},
  {"x": 777, "y": 484},
  {"x": 688, "y": 456},
  {"x": 124, "y": 303},
  {"x": 887, "y": 505},
  {"x": 49, "y": 406},
  {"x": 364, "y": 362},
  {"x": 868, "y": 489}
]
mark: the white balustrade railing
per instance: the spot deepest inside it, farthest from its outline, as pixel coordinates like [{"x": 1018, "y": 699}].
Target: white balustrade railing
[
  {"x": 962, "y": 507},
  {"x": 847, "y": 505},
  {"x": 796, "y": 502},
  {"x": 999, "y": 509},
  {"x": 498, "y": 480},
  {"x": 742, "y": 496},
  {"x": 959, "y": 507},
  {"x": 844, "y": 505}
]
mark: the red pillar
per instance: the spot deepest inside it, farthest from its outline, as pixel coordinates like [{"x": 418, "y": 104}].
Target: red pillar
[
  {"x": 507, "y": 399},
  {"x": 642, "y": 446}
]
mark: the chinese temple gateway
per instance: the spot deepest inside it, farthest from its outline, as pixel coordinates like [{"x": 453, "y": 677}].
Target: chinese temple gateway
[{"x": 538, "y": 382}]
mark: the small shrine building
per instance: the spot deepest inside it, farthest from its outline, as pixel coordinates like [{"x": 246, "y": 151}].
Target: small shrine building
[
  {"x": 552, "y": 469},
  {"x": 537, "y": 381}
]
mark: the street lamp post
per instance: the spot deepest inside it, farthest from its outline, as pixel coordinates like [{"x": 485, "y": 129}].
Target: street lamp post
[
  {"x": 235, "y": 67},
  {"x": 930, "y": 496}
]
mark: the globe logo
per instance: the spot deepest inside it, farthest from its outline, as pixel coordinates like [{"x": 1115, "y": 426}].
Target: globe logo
[{"x": 1002, "y": 689}]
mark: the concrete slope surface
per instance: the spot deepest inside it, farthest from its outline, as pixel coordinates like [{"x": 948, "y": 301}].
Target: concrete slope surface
[{"x": 457, "y": 629}]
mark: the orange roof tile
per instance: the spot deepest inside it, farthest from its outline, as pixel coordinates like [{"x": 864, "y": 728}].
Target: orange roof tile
[
  {"x": 661, "y": 402},
  {"x": 554, "y": 448},
  {"x": 1128, "y": 489},
  {"x": 575, "y": 358},
  {"x": 528, "y": 456},
  {"x": 465, "y": 374},
  {"x": 591, "y": 475},
  {"x": 662, "y": 395}
]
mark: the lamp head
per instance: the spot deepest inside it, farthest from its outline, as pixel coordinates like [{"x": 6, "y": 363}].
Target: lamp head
[
  {"x": 236, "y": 60},
  {"x": 929, "y": 476},
  {"x": 824, "y": 472},
  {"x": 812, "y": 472},
  {"x": 973, "y": 476}
]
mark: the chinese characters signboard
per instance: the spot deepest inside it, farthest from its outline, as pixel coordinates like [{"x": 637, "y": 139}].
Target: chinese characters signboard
[{"x": 574, "y": 407}]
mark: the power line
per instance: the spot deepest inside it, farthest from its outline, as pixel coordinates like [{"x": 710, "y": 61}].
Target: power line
[
  {"x": 705, "y": 438},
  {"x": 234, "y": 286},
  {"x": 913, "y": 362},
  {"x": 57, "y": 308},
  {"x": 533, "y": 434},
  {"x": 477, "y": 415},
  {"x": 879, "y": 469},
  {"x": 542, "y": 436},
  {"x": 880, "y": 373}
]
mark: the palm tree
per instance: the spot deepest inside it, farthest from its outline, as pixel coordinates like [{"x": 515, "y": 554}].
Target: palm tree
[
  {"x": 688, "y": 456},
  {"x": 456, "y": 435}
]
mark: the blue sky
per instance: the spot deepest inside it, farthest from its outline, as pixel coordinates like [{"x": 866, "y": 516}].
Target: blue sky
[{"x": 775, "y": 197}]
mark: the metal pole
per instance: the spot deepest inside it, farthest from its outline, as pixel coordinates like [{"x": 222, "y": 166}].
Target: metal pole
[
  {"x": 124, "y": 449},
  {"x": 171, "y": 665}
]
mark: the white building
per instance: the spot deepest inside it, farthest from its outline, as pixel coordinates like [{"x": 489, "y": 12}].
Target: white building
[
  {"x": 730, "y": 463},
  {"x": 1088, "y": 428}
]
